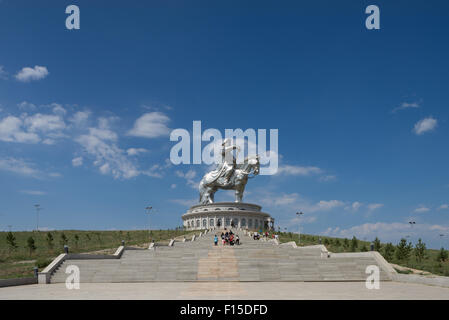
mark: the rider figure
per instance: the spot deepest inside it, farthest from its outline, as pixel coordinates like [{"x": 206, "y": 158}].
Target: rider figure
[{"x": 227, "y": 159}]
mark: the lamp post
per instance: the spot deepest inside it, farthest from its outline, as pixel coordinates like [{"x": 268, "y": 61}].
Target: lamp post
[
  {"x": 411, "y": 225},
  {"x": 441, "y": 238},
  {"x": 148, "y": 211},
  {"x": 299, "y": 214},
  {"x": 38, "y": 208}
]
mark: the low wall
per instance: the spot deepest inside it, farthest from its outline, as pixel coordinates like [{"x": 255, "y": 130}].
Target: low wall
[
  {"x": 429, "y": 280},
  {"x": 17, "y": 282},
  {"x": 45, "y": 275}
]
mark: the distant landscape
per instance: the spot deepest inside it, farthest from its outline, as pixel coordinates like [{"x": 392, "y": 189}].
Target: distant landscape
[{"x": 21, "y": 251}]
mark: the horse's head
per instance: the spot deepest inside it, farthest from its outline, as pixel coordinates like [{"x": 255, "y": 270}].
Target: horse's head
[{"x": 253, "y": 165}]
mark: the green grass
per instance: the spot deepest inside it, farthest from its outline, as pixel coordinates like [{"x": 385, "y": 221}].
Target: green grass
[
  {"x": 19, "y": 262},
  {"x": 429, "y": 263}
]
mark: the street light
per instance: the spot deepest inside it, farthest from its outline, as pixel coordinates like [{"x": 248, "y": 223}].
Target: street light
[
  {"x": 441, "y": 238},
  {"x": 38, "y": 208},
  {"x": 411, "y": 224},
  {"x": 299, "y": 214},
  {"x": 148, "y": 211}
]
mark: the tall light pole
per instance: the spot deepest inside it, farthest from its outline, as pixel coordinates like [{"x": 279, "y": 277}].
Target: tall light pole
[
  {"x": 148, "y": 211},
  {"x": 299, "y": 214},
  {"x": 441, "y": 238},
  {"x": 411, "y": 225},
  {"x": 38, "y": 208}
]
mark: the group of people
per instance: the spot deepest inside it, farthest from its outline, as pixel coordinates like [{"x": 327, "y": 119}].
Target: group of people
[
  {"x": 257, "y": 235},
  {"x": 228, "y": 238}
]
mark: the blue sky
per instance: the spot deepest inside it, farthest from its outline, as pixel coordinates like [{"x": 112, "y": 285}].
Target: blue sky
[{"x": 362, "y": 114}]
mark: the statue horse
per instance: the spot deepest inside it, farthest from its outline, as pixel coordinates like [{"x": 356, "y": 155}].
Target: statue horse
[{"x": 210, "y": 183}]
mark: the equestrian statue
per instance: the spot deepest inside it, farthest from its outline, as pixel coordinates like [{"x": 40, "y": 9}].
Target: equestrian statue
[{"x": 228, "y": 175}]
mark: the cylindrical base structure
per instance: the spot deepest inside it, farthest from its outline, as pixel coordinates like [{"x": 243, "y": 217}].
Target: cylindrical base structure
[{"x": 222, "y": 215}]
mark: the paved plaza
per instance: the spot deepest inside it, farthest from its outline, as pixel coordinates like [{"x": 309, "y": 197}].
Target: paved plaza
[{"x": 227, "y": 290}]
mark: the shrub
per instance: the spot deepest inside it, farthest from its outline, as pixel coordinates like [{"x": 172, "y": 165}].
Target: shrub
[
  {"x": 11, "y": 240},
  {"x": 354, "y": 244},
  {"x": 420, "y": 250},
  {"x": 442, "y": 255},
  {"x": 403, "y": 250},
  {"x": 388, "y": 251},
  {"x": 42, "y": 263},
  {"x": 377, "y": 244},
  {"x": 31, "y": 245},
  {"x": 64, "y": 239},
  {"x": 49, "y": 240}
]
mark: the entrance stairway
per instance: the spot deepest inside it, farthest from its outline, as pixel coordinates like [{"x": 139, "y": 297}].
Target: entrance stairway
[{"x": 200, "y": 260}]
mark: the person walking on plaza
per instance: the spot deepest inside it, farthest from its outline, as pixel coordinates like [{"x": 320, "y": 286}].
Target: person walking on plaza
[{"x": 216, "y": 240}]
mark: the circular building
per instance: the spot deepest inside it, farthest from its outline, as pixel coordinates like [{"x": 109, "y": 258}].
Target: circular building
[{"x": 220, "y": 215}]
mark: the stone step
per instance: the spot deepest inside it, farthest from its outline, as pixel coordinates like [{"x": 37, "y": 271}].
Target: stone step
[{"x": 200, "y": 260}]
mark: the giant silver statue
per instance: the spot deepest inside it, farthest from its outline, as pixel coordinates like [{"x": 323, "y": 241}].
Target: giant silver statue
[{"x": 228, "y": 175}]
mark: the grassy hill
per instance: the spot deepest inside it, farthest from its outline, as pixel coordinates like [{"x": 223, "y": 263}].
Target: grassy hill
[{"x": 19, "y": 262}]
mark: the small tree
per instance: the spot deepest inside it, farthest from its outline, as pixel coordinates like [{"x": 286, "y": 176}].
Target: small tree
[
  {"x": 49, "y": 240},
  {"x": 77, "y": 238},
  {"x": 403, "y": 250},
  {"x": 326, "y": 242},
  {"x": 64, "y": 239},
  {"x": 364, "y": 248},
  {"x": 354, "y": 244},
  {"x": 388, "y": 251},
  {"x": 442, "y": 255},
  {"x": 377, "y": 244},
  {"x": 346, "y": 243},
  {"x": 31, "y": 245},
  {"x": 420, "y": 250},
  {"x": 11, "y": 241},
  {"x": 337, "y": 242}
]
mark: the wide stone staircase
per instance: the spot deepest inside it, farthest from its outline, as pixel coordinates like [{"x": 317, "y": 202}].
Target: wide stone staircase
[{"x": 200, "y": 260}]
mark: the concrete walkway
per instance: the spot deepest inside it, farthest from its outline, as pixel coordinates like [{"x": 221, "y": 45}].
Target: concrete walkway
[{"x": 227, "y": 290}]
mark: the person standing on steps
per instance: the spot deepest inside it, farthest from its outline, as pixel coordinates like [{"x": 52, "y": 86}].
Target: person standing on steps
[{"x": 215, "y": 240}]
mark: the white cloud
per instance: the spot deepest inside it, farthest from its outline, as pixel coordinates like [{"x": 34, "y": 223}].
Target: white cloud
[
  {"x": 80, "y": 118},
  {"x": 421, "y": 209},
  {"x": 391, "y": 231},
  {"x": 173, "y": 186},
  {"x": 55, "y": 174},
  {"x": 3, "y": 73},
  {"x": 425, "y": 125},
  {"x": 34, "y": 192},
  {"x": 18, "y": 166},
  {"x": 374, "y": 206},
  {"x": 101, "y": 143},
  {"x": 298, "y": 170},
  {"x": 406, "y": 105},
  {"x": 44, "y": 123},
  {"x": 188, "y": 176},
  {"x": 354, "y": 207},
  {"x": 150, "y": 125},
  {"x": 26, "y": 106},
  {"x": 135, "y": 151},
  {"x": 326, "y": 205},
  {"x": 78, "y": 161},
  {"x": 28, "y": 74},
  {"x": 58, "y": 109},
  {"x": 11, "y": 130},
  {"x": 328, "y": 178},
  {"x": 443, "y": 206}
]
